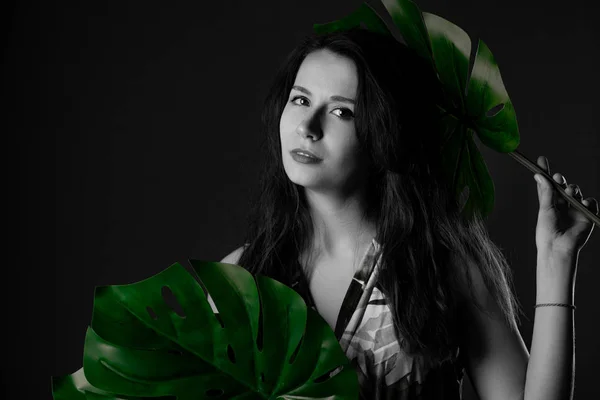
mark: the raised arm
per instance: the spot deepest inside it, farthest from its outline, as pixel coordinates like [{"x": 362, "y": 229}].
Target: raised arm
[
  {"x": 494, "y": 352},
  {"x": 497, "y": 360}
]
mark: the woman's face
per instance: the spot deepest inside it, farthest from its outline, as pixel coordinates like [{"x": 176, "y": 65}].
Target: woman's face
[{"x": 319, "y": 118}]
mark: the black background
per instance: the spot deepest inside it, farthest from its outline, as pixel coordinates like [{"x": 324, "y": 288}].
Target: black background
[{"x": 131, "y": 137}]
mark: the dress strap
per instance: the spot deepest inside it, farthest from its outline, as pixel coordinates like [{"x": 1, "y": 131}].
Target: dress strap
[{"x": 359, "y": 291}]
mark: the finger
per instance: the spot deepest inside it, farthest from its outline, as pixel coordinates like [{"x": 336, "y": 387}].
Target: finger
[
  {"x": 546, "y": 192},
  {"x": 571, "y": 189},
  {"x": 575, "y": 192},
  {"x": 560, "y": 179},
  {"x": 542, "y": 162},
  {"x": 571, "y": 192},
  {"x": 591, "y": 204},
  {"x": 559, "y": 200},
  {"x": 584, "y": 223}
]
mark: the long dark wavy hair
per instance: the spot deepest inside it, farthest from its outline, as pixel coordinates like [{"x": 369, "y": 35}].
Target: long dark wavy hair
[{"x": 426, "y": 242}]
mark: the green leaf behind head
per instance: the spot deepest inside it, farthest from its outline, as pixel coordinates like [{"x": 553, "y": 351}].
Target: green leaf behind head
[
  {"x": 473, "y": 93},
  {"x": 407, "y": 17},
  {"x": 498, "y": 131},
  {"x": 475, "y": 102},
  {"x": 470, "y": 95}
]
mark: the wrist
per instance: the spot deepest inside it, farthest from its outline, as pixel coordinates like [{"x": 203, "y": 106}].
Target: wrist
[
  {"x": 557, "y": 256},
  {"x": 555, "y": 280},
  {"x": 558, "y": 294}
]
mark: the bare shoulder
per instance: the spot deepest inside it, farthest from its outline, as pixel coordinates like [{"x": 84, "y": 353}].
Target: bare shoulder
[{"x": 234, "y": 256}]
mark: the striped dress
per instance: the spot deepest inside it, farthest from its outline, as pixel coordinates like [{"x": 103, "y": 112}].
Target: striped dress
[{"x": 365, "y": 331}]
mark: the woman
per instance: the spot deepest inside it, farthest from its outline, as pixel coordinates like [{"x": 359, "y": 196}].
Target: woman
[{"x": 355, "y": 214}]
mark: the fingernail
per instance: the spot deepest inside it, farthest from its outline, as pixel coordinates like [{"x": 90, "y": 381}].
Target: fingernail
[{"x": 537, "y": 178}]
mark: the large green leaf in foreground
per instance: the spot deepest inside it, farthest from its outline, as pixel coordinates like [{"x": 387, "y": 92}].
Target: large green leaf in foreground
[
  {"x": 476, "y": 101},
  {"x": 160, "y": 338}
]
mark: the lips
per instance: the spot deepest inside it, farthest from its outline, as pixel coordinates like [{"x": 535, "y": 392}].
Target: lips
[{"x": 305, "y": 153}]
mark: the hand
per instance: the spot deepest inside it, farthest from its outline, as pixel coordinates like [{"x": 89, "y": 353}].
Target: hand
[{"x": 561, "y": 229}]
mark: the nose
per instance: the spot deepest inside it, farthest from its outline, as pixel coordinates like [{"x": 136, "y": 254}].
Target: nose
[{"x": 310, "y": 127}]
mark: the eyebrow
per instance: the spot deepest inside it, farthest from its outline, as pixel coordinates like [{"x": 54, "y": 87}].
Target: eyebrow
[{"x": 336, "y": 97}]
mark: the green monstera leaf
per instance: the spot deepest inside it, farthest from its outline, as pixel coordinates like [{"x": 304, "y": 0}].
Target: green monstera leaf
[
  {"x": 479, "y": 104},
  {"x": 475, "y": 103},
  {"x": 160, "y": 338}
]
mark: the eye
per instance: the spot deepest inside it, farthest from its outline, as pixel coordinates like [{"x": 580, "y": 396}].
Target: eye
[
  {"x": 298, "y": 98},
  {"x": 347, "y": 111}
]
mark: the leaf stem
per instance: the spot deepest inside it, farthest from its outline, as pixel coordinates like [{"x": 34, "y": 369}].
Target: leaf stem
[{"x": 537, "y": 170}]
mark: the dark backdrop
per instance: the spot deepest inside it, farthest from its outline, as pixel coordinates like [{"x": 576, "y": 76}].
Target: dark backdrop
[{"x": 131, "y": 137}]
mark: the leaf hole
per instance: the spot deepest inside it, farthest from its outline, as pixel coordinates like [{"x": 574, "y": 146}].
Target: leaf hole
[
  {"x": 215, "y": 392},
  {"x": 295, "y": 353},
  {"x": 336, "y": 371},
  {"x": 212, "y": 303},
  {"x": 329, "y": 374},
  {"x": 152, "y": 313},
  {"x": 230, "y": 354},
  {"x": 214, "y": 309},
  {"x": 218, "y": 317},
  {"x": 171, "y": 300},
  {"x": 259, "y": 335},
  {"x": 494, "y": 110}
]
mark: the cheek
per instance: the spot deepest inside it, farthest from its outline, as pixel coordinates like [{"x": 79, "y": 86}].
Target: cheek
[
  {"x": 349, "y": 149},
  {"x": 285, "y": 124}
]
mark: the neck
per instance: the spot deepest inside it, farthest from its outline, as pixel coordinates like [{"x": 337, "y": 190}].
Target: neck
[{"x": 340, "y": 223}]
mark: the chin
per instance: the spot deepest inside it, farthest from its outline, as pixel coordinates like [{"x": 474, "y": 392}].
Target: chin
[
  {"x": 301, "y": 179},
  {"x": 301, "y": 176}
]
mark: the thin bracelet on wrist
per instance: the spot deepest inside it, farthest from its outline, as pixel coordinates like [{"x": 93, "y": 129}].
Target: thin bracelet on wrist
[{"x": 557, "y": 305}]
